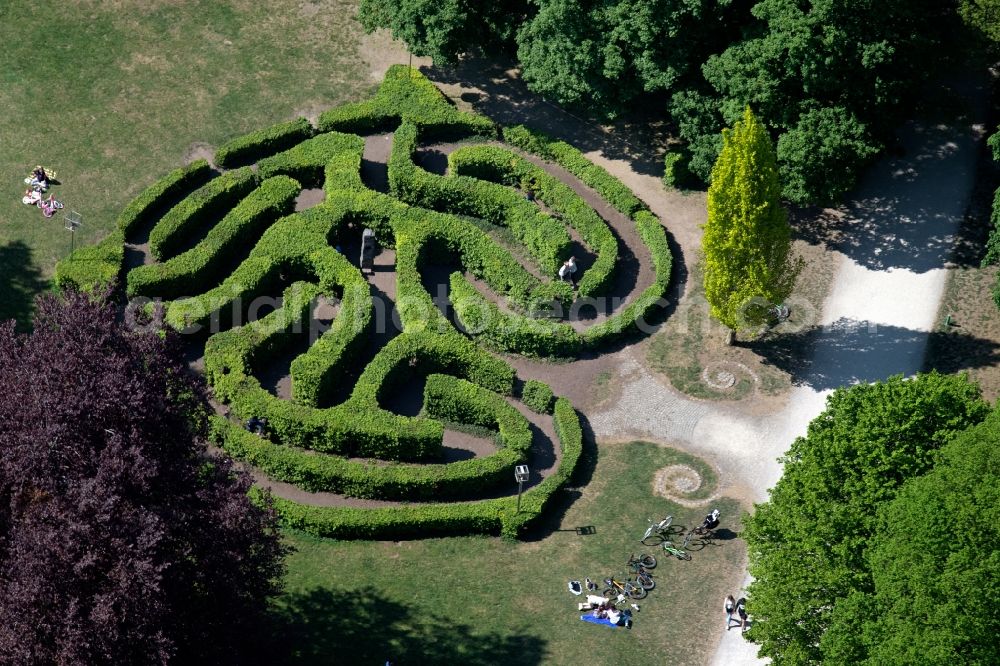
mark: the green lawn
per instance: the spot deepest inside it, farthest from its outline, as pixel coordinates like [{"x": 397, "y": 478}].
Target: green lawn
[
  {"x": 483, "y": 601},
  {"x": 114, "y": 94}
]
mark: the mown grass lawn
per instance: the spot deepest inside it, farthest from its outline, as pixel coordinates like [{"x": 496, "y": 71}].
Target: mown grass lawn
[
  {"x": 483, "y": 601},
  {"x": 114, "y": 94}
]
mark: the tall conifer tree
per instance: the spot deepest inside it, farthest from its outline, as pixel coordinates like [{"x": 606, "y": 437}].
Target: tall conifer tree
[{"x": 747, "y": 243}]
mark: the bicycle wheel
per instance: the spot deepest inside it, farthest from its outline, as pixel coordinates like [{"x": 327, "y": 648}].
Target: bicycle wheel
[
  {"x": 648, "y": 561},
  {"x": 681, "y": 555},
  {"x": 610, "y": 593},
  {"x": 646, "y": 583},
  {"x": 651, "y": 540},
  {"x": 636, "y": 592}
]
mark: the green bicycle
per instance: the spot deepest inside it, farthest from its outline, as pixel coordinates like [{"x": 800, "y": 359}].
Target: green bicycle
[{"x": 669, "y": 548}]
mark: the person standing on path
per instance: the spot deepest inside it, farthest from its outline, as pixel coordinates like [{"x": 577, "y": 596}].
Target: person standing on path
[
  {"x": 567, "y": 272},
  {"x": 741, "y": 610},
  {"x": 730, "y": 606}
]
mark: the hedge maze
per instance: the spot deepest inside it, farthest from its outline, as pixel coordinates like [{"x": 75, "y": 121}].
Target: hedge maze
[{"x": 221, "y": 241}]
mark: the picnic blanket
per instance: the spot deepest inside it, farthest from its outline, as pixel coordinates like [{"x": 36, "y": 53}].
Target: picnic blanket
[{"x": 589, "y": 617}]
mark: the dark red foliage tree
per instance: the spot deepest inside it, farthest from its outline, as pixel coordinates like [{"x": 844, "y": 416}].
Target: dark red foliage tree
[{"x": 121, "y": 539}]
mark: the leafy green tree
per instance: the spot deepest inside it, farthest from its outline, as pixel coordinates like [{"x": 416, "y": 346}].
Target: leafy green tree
[
  {"x": 747, "y": 242},
  {"x": 935, "y": 564},
  {"x": 982, "y": 16},
  {"x": 444, "y": 29},
  {"x": 808, "y": 542}
]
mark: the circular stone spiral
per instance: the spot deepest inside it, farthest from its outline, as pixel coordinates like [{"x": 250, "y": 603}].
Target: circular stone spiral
[
  {"x": 677, "y": 483},
  {"x": 723, "y": 375}
]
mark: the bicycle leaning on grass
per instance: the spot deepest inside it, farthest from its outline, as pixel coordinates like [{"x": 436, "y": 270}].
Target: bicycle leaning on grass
[
  {"x": 668, "y": 547},
  {"x": 640, "y": 567},
  {"x": 614, "y": 588},
  {"x": 656, "y": 532}
]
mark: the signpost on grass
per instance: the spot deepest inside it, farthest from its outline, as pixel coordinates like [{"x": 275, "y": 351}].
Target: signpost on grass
[
  {"x": 521, "y": 473},
  {"x": 73, "y": 222}
]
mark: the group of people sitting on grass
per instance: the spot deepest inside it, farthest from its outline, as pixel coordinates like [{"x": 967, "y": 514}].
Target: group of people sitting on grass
[
  {"x": 38, "y": 181},
  {"x": 607, "y": 609}
]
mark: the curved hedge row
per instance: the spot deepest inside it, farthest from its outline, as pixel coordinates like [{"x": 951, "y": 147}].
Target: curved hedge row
[
  {"x": 445, "y": 397},
  {"x": 610, "y": 188},
  {"x": 160, "y": 193},
  {"x": 251, "y": 147},
  {"x": 406, "y": 95},
  {"x": 241, "y": 226},
  {"x": 307, "y": 161},
  {"x": 210, "y": 200},
  {"x": 493, "y": 163},
  {"x": 92, "y": 268},
  {"x": 494, "y": 516},
  {"x": 544, "y": 237}
]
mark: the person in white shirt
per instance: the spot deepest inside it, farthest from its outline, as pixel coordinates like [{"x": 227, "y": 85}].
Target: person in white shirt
[{"x": 567, "y": 272}]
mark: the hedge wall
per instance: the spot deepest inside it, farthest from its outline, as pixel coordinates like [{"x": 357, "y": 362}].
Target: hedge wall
[
  {"x": 544, "y": 237},
  {"x": 255, "y": 145},
  {"x": 494, "y": 163},
  {"x": 211, "y": 200},
  {"x": 445, "y": 397},
  {"x": 161, "y": 193},
  {"x": 307, "y": 161},
  {"x": 495, "y": 516},
  {"x": 537, "y": 396},
  {"x": 92, "y": 268},
  {"x": 406, "y": 95},
  {"x": 242, "y": 226}
]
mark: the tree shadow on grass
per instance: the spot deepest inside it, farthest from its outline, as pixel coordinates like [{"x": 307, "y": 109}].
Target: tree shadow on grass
[
  {"x": 848, "y": 351},
  {"x": 325, "y": 626},
  {"x": 20, "y": 281}
]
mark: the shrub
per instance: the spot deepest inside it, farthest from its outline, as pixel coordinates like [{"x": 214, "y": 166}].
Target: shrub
[
  {"x": 307, "y": 161},
  {"x": 537, "y": 396},
  {"x": 92, "y": 268},
  {"x": 240, "y": 227},
  {"x": 406, "y": 95},
  {"x": 155, "y": 197},
  {"x": 213, "y": 199},
  {"x": 251, "y": 147},
  {"x": 676, "y": 174}
]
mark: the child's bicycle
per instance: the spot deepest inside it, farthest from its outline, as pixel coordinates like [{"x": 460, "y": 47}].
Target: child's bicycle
[
  {"x": 668, "y": 546},
  {"x": 49, "y": 206},
  {"x": 656, "y": 532},
  {"x": 613, "y": 588}
]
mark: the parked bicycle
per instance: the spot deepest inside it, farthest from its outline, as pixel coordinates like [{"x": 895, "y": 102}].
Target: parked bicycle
[
  {"x": 642, "y": 575},
  {"x": 668, "y": 547},
  {"x": 702, "y": 535},
  {"x": 646, "y": 561},
  {"x": 614, "y": 588},
  {"x": 656, "y": 532}
]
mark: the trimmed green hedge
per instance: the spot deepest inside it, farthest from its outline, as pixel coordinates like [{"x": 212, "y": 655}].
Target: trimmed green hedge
[
  {"x": 544, "y": 237},
  {"x": 242, "y": 226},
  {"x": 307, "y": 161},
  {"x": 507, "y": 331},
  {"x": 445, "y": 397},
  {"x": 160, "y": 193},
  {"x": 406, "y": 95},
  {"x": 498, "y": 164},
  {"x": 211, "y": 200},
  {"x": 92, "y": 268},
  {"x": 537, "y": 396},
  {"x": 610, "y": 188},
  {"x": 255, "y": 145},
  {"x": 496, "y": 516}
]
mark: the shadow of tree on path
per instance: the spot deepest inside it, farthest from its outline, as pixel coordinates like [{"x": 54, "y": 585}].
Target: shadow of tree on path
[
  {"x": 324, "y": 626},
  {"x": 848, "y": 351},
  {"x": 504, "y": 98},
  {"x": 20, "y": 281}
]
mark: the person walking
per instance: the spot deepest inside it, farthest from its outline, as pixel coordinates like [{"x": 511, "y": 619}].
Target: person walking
[
  {"x": 741, "y": 610},
  {"x": 567, "y": 272},
  {"x": 730, "y": 607}
]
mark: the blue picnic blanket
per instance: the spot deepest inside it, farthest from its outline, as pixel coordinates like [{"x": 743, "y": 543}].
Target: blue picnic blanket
[{"x": 589, "y": 617}]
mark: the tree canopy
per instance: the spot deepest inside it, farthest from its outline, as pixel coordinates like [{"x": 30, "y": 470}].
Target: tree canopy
[
  {"x": 830, "y": 79},
  {"x": 934, "y": 564},
  {"x": 747, "y": 242},
  {"x": 811, "y": 543},
  {"x": 121, "y": 540}
]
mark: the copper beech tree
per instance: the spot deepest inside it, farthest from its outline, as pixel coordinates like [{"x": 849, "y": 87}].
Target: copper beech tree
[{"x": 121, "y": 539}]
